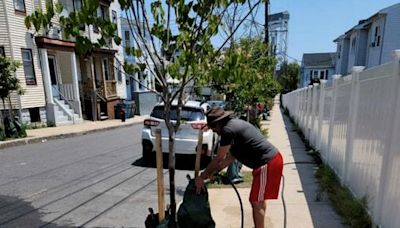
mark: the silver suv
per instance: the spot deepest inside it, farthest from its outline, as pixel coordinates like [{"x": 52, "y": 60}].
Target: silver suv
[{"x": 192, "y": 120}]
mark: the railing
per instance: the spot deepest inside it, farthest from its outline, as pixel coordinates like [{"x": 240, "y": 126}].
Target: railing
[
  {"x": 355, "y": 124},
  {"x": 110, "y": 90},
  {"x": 68, "y": 91},
  {"x": 71, "y": 115}
]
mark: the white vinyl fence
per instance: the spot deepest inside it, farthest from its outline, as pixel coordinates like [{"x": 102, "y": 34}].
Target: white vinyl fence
[{"x": 354, "y": 122}]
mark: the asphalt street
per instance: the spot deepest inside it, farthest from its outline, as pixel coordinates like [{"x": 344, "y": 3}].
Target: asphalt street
[{"x": 94, "y": 180}]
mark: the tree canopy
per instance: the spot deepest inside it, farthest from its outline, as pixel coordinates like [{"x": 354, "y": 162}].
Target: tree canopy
[{"x": 245, "y": 74}]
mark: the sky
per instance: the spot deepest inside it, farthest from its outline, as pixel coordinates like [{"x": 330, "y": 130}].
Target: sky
[{"x": 314, "y": 24}]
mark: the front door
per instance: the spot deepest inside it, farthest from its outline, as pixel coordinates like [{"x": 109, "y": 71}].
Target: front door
[{"x": 53, "y": 76}]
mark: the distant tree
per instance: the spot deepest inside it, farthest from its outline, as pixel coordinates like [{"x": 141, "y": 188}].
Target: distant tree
[
  {"x": 9, "y": 82},
  {"x": 288, "y": 76},
  {"x": 244, "y": 73}
]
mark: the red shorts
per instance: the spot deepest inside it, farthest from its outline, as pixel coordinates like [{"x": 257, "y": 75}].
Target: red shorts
[{"x": 266, "y": 180}]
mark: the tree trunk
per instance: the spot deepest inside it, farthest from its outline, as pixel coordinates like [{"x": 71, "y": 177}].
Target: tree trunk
[
  {"x": 171, "y": 169},
  {"x": 1, "y": 114},
  {"x": 10, "y": 108}
]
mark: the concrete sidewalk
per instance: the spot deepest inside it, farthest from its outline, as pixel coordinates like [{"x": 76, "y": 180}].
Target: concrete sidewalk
[
  {"x": 300, "y": 188},
  {"x": 48, "y": 133}
]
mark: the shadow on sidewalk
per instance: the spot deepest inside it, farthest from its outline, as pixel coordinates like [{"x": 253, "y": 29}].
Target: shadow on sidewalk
[{"x": 321, "y": 212}]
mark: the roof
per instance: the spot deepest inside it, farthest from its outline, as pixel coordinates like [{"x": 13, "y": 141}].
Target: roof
[
  {"x": 319, "y": 59},
  {"x": 364, "y": 23}
]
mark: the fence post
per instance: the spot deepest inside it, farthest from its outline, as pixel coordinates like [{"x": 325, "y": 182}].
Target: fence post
[
  {"x": 308, "y": 112},
  {"x": 351, "y": 124},
  {"x": 313, "y": 113},
  {"x": 320, "y": 113},
  {"x": 388, "y": 156},
  {"x": 332, "y": 115}
]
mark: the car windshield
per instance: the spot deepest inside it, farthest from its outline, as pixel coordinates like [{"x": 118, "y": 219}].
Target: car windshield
[{"x": 187, "y": 113}]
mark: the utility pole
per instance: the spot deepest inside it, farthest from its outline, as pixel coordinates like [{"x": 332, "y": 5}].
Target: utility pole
[{"x": 266, "y": 38}]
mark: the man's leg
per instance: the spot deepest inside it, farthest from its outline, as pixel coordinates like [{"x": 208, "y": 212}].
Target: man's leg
[{"x": 259, "y": 214}]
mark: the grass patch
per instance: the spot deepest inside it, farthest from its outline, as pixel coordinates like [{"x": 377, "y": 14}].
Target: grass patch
[
  {"x": 353, "y": 211},
  {"x": 218, "y": 183}
]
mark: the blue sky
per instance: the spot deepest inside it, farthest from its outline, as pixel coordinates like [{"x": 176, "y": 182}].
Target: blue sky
[{"x": 314, "y": 24}]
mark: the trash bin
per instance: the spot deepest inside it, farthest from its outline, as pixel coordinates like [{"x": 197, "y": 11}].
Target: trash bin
[{"x": 128, "y": 107}]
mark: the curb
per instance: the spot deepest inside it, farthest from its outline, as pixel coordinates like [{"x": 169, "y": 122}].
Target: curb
[{"x": 26, "y": 141}]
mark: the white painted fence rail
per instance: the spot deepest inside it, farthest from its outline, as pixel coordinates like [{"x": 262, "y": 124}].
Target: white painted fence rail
[{"x": 354, "y": 121}]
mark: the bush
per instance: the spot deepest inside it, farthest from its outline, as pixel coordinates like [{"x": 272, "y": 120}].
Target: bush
[{"x": 2, "y": 134}]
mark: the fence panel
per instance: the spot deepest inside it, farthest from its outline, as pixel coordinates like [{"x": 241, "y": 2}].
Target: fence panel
[
  {"x": 324, "y": 148},
  {"x": 340, "y": 121},
  {"x": 371, "y": 131},
  {"x": 372, "y": 137}
]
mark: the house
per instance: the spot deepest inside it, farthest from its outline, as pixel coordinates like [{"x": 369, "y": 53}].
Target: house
[
  {"x": 61, "y": 87},
  {"x": 140, "y": 85},
  {"x": 18, "y": 44},
  {"x": 370, "y": 42},
  {"x": 316, "y": 66},
  {"x": 101, "y": 82}
]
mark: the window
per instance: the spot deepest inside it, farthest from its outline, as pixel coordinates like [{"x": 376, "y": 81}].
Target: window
[
  {"x": 34, "y": 114},
  {"x": 77, "y": 4},
  {"x": 326, "y": 74},
  {"x": 322, "y": 75},
  {"x": 28, "y": 67},
  {"x": 187, "y": 113},
  {"x": 315, "y": 74},
  {"x": 2, "y": 52},
  {"x": 119, "y": 71},
  {"x": 19, "y": 5},
  {"x": 127, "y": 40},
  {"x": 339, "y": 51},
  {"x": 103, "y": 13},
  {"x": 115, "y": 21},
  {"x": 377, "y": 37},
  {"x": 311, "y": 74},
  {"x": 106, "y": 69}
]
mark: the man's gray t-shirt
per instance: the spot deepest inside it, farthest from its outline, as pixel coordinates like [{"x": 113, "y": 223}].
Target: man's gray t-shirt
[{"x": 248, "y": 145}]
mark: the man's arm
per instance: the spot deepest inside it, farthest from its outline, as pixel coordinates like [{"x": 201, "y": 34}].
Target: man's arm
[
  {"x": 216, "y": 162},
  {"x": 222, "y": 160}
]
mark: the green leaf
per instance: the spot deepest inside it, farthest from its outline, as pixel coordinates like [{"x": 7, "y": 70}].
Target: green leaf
[
  {"x": 27, "y": 22},
  {"x": 138, "y": 53},
  {"x": 59, "y": 8}
]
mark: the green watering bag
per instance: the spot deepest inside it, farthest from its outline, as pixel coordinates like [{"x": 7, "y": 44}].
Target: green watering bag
[{"x": 194, "y": 212}]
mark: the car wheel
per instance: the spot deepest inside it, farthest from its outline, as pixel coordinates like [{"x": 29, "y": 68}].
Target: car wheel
[{"x": 146, "y": 155}]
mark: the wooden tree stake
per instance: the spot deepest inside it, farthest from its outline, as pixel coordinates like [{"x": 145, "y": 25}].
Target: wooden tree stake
[{"x": 160, "y": 176}]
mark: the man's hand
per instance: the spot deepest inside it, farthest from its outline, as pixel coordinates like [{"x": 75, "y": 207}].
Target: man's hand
[{"x": 199, "y": 183}]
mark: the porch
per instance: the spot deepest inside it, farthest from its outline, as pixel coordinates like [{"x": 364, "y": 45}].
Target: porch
[
  {"x": 60, "y": 76},
  {"x": 99, "y": 85}
]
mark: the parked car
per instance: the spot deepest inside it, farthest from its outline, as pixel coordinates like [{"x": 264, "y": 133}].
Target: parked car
[
  {"x": 193, "y": 119},
  {"x": 216, "y": 103}
]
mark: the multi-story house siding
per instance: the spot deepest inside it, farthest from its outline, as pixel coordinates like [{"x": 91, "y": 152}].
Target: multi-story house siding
[
  {"x": 19, "y": 45},
  {"x": 60, "y": 85},
  {"x": 139, "y": 85},
  {"x": 315, "y": 67},
  {"x": 370, "y": 42}
]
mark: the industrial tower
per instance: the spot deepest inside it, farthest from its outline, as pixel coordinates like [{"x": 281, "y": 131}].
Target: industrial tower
[{"x": 278, "y": 36}]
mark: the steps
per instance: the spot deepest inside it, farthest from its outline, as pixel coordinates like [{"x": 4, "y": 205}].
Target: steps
[{"x": 61, "y": 117}]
